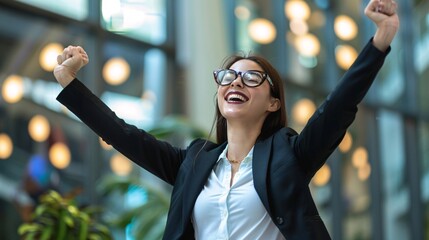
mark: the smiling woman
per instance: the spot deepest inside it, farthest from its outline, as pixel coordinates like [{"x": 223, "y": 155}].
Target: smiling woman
[{"x": 258, "y": 163}]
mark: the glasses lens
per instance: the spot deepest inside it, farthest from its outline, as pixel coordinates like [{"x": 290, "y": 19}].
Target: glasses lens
[
  {"x": 226, "y": 76},
  {"x": 253, "y": 78}
]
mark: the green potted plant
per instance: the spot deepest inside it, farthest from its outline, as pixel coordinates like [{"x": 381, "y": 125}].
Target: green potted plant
[
  {"x": 59, "y": 218},
  {"x": 143, "y": 220},
  {"x": 147, "y": 220}
]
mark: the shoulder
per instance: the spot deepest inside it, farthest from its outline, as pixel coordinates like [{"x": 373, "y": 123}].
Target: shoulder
[
  {"x": 286, "y": 132},
  {"x": 285, "y": 135}
]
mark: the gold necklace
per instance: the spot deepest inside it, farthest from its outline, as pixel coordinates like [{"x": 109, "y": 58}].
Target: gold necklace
[{"x": 233, "y": 161}]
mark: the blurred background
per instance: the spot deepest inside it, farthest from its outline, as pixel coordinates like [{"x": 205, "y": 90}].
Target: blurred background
[{"x": 151, "y": 61}]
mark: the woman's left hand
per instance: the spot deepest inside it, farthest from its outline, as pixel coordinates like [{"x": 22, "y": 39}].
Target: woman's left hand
[{"x": 384, "y": 14}]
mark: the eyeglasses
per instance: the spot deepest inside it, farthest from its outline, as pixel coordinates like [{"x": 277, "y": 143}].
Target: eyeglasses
[{"x": 251, "y": 78}]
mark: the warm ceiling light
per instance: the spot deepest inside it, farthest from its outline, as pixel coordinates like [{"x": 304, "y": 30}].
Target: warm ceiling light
[
  {"x": 6, "y": 146},
  {"x": 364, "y": 172},
  {"x": 59, "y": 155},
  {"x": 345, "y": 55},
  {"x": 298, "y": 26},
  {"x": 116, "y": 71},
  {"x": 346, "y": 143},
  {"x": 150, "y": 96},
  {"x": 345, "y": 27},
  {"x": 307, "y": 45},
  {"x": 302, "y": 111},
  {"x": 13, "y": 89},
  {"x": 120, "y": 165},
  {"x": 360, "y": 157},
  {"x": 48, "y": 56},
  {"x": 242, "y": 12},
  {"x": 297, "y": 9},
  {"x": 39, "y": 128},
  {"x": 262, "y": 31},
  {"x": 322, "y": 176}
]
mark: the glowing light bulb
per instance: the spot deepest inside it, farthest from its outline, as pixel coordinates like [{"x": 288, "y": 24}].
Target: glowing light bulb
[
  {"x": 360, "y": 157},
  {"x": 116, "y": 71},
  {"x": 59, "y": 155},
  {"x": 297, "y": 9},
  {"x": 13, "y": 89},
  {"x": 6, "y": 146},
  {"x": 262, "y": 31},
  {"x": 345, "y": 28},
  {"x": 345, "y": 55},
  {"x": 39, "y": 128},
  {"x": 346, "y": 143},
  {"x": 307, "y": 45},
  {"x": 120, "y": 165},
  {"x": 48, "y": 56},
  {"x": 322, "y": 176},
  {"x": 302, "y": 111}
]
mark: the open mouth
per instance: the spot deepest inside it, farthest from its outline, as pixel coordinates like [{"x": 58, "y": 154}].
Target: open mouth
[{"x": 236, "y": 97}]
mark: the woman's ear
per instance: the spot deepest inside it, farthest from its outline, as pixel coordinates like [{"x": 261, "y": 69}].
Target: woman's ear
[{"x": 274, "y": 105}]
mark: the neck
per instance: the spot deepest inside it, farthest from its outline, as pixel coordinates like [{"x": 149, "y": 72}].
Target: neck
[{"x": 241, "y": 139}]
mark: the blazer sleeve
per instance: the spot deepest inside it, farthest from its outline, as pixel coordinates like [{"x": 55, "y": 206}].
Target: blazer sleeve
[
  {"x": 327, "y": 127},
  {"x": 158, "y": 157}
]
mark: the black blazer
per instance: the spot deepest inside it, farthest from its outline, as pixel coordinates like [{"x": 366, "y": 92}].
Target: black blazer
[{"x": 283, "y": 164}]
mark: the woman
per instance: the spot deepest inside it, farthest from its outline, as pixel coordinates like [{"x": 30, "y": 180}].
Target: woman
[{"x": 253, "y": 183}]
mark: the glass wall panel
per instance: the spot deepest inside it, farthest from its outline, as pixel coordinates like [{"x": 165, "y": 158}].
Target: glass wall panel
[
  {"x": 76, "y": 9},
  {"x": 396, "y": 202},
  {"x": 424, "y": 153},
  {"x": 355, "y": 188},
  {"x": 144, "y": 20},
  {"x": 421, "y": 52},
  {"x": 390, "y": 85},
  {"x": 139, "y": 97}
]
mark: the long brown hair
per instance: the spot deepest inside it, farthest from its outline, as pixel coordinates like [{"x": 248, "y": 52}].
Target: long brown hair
[{"x": 275, "y": 120}]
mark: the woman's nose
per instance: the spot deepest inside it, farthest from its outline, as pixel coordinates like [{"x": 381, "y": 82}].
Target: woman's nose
[{"x": 237, "y": 82}]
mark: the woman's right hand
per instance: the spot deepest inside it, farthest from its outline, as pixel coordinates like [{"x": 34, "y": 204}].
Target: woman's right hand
[{"x": 70, "y": 62}]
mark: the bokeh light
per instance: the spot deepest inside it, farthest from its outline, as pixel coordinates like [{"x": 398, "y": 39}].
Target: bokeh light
[
  {"x": 345, "y": 27},
  {"x": 116, "y": 71},
  {"x": 59, "y": 155},
  {"x": 297, "y": 9},
  {"x": 39, "y": 128},
  {"x": 120, "y": 165},
  {"x": 262, "y": 31},
  {"x": 48, "y": 56},
  {"x": 303, "y": 110},
  {"x": 345, "y": 55},
  {"x": 6, "y": 146},
  {"x": 322, "y": 176},
  {"x": 13, "y": 89}
]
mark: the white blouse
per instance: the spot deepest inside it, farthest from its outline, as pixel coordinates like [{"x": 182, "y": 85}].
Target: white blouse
[{"x": 234, "y": 212}]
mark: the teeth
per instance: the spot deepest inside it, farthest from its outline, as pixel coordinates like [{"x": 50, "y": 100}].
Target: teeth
[{"x": 235, "y": 97}]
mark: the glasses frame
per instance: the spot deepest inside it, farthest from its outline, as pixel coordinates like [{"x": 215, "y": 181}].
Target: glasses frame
[{"x": 240, "y": 73}]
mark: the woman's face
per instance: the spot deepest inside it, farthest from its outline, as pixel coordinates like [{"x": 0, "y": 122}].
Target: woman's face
[{"x": 237, "y": 101}]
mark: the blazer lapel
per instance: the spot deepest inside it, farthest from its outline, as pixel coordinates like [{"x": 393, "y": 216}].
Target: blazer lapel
[
  {"x": 197, "y": 177},
  {"x": 261, "y": 158}
]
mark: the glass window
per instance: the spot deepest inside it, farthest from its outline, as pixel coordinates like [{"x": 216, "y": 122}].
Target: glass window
[
  {"x": 139, "y": 19},
  {"x": 355, "y": 187},
  {"x": 144, "y": 84},
  {"x": 424, "y": 153},
  {"x": 389, "y": 87},
  {"x": 421, "y": 53},
  {"x": 396, "y": 201},
  {"x": 76, "y": 9}
]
